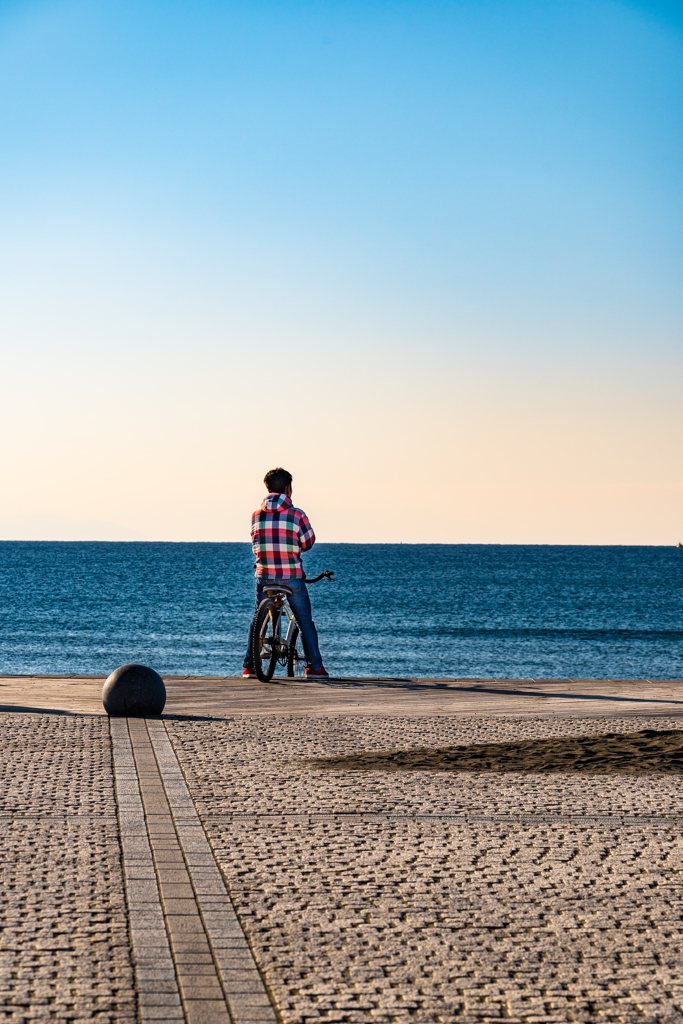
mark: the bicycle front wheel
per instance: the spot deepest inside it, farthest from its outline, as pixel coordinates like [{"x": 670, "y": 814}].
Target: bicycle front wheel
[
  {"x": 296, "y": 659},
  {"x": 264, "y": 640}
]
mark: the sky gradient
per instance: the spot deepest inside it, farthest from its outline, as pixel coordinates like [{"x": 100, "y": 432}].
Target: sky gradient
[{"x": 426, "y": 255}]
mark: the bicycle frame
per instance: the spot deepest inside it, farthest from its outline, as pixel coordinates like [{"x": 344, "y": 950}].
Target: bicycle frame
[{"x": 279, "y": 599}]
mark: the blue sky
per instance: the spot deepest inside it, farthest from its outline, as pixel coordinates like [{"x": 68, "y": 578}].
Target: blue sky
[{"x": 444, "y": 238}]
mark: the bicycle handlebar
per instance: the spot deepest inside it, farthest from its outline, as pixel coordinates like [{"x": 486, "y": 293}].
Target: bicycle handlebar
[{"x": 326, "y": 575}]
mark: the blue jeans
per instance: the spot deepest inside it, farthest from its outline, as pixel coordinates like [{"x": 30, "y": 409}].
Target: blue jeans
[{"x": 300, "y": 603}]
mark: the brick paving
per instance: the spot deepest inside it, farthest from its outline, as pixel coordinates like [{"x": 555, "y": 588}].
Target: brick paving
[
  {"x": 363, "y": 902},
  {"x": 188, "y": 944},
  {"x": 64, "y": 945},
  {"x": 246, "y": 997},
  {"x": 360, "y": 895},
  {"x": 157, "y": 989}
]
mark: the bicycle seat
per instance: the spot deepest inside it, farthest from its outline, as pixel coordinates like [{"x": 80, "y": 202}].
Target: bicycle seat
[{"x": 280, "y": 588}]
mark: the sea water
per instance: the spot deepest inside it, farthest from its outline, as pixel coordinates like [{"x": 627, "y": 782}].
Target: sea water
[{"x": 465, "y": 610}]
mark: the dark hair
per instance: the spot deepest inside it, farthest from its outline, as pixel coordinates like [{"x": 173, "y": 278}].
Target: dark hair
[{"x": 277, "y": 480}]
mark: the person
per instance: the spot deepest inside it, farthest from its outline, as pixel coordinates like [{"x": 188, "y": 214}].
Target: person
[{"x": 280, "y": 533}]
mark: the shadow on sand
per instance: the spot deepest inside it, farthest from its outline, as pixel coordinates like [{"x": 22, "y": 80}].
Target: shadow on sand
[{"x": 648, "y": 752}]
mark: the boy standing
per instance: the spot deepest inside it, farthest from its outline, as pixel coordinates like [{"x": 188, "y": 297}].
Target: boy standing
[{"x": 280, "y": 534}]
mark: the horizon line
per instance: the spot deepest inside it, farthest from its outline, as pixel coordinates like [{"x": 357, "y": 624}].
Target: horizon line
[{"x": 369, "y": 543}]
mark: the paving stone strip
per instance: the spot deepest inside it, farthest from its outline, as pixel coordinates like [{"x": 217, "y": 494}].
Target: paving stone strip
[
  {"x": 460, "y": 819},
  {"x": 204, "y": 961},
  {"x": 244, "y": 988},
  {"x": 72, "y": 819},
  {"x": 157, "y": 987}
]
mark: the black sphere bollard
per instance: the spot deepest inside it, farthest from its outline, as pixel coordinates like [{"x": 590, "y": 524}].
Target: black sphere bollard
[{"x": 135, "y": 691}]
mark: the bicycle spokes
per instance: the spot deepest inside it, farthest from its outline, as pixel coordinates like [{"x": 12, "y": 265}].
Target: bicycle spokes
[{"x": 296, "y": 661}]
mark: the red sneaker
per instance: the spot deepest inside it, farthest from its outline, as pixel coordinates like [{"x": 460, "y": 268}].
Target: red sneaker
[
  {"x": 249, "y": 673},
  {"x": 317, "y": 673}
]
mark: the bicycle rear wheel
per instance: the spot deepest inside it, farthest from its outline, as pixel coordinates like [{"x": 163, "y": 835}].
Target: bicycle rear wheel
[
  {"x": 296, "y": 659},
  {"x": 264, "y": 640}
]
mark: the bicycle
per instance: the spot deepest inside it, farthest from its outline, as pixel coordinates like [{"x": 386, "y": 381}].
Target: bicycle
[{"x": 270, "y": 642}]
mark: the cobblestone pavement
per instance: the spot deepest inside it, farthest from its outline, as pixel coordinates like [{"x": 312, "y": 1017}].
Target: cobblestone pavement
[
  {"x": 64, "y": 946},
  {"x": 363, "y": 902},
  {"x": 364, "y": 895}
]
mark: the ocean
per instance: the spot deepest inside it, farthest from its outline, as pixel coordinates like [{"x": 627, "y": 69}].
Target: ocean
[{"x": 464, "y": 610}]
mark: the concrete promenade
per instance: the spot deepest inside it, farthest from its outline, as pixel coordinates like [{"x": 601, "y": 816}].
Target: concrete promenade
[{"x": 208, "y": 865}]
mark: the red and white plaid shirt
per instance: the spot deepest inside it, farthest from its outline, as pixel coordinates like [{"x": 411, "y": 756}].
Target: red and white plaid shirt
[{"x": 279, "y": 535}]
